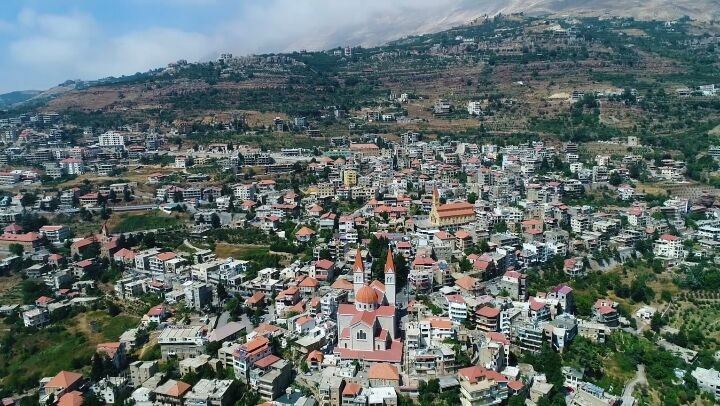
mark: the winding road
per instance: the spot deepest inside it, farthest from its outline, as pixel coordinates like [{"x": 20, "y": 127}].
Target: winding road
[{"x": 640, "y": 378}]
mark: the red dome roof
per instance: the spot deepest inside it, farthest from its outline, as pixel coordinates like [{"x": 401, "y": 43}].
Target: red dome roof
[{"x": 366, "y": 295}]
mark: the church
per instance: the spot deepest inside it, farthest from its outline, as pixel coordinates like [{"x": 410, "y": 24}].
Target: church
[
  {"x": 368, "y": 328},
  {"x": 450, "y": 215}
]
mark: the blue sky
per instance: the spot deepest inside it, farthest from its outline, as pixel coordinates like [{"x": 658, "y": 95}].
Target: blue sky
[{"x": 44, "y": 43}]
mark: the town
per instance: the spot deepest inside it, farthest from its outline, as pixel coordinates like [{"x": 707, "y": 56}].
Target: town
[{"x": 361, "y": 268}]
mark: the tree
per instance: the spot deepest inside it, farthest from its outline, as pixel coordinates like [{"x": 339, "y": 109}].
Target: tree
[
  {"x": 465, "y": 265},
  {"x": 32, "y": 289},
  {"x": 16, "y": 249},
  {"x": 428, "y": 390},
  {"x": 516, "y": 400},
  {"x": 28, "y": 199},
  {"x": 472, "y": 197},
  {"x": 215, "y": 220},
  {"x": 656, "y": 322},
  {"x": 615, "y": 179}
]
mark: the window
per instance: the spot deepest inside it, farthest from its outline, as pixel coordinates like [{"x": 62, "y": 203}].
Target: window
[{"x": 361, "y": 335}]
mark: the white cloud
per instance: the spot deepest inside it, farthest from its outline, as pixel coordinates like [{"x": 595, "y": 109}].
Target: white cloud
[{"x": 50, "y": 48}]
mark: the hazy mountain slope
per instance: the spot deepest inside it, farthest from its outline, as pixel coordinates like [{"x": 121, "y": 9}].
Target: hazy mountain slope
[
  {"x": 642, "y": 9},
  {"x": 9, "y": 99}
]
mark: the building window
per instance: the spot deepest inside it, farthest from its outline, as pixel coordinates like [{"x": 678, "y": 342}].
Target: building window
[{"x": 361, "y": 335}]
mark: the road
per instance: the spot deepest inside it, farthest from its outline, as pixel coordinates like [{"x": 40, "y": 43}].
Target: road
[{"x": 640, "y": 378}]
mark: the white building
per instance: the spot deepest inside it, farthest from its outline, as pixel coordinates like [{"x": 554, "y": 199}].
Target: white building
[
  {"x": 55, "y": 234},
  {"x": 708, "y": 380},
  {"x": 72, "y": 166},
  {"x": 36, "y": 318},
  {"x": 669, "y": 247},
  {"x": 474, "y": 108},
  {"x": 111, "y": 139},
  {"x": 457, "y": 308}
]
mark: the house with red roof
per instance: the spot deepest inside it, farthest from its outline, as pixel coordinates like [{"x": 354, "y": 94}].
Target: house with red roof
[
  {"x": 605, "y": 312},
  {"x": 308, "y": 286},
  {"x": 84, "y": 247},
  {"x": 323, "y": 270},
  {"x": 256, "y": 300},
  {"x": 124, "y": 256},
  {"x": 383, "y": 374},
  {"x": 314, "y": 359},
  {"x": 468, "y": 285},
  {"x": 171, "y": 392},
  {"x": 574, "y": 267},
  {"x": 13, "y": 228},
  {"x": 304, "y": 324},
  {"x": 157, "y": 314},
  {"x": 30, "y": 242},
  {"x": 60, "y": 384},
  {"x": 43, "y": 301},
  {"x": 114, "y": 351},
  {"x": 480, "y": 385},
  {"x": 74, "y": 398},
  {"x": 56, "y": 260},
  {"x": 305, "y": 234},
  {"x": 248, "y": 353},
  {"x": 487, "y": 318}
]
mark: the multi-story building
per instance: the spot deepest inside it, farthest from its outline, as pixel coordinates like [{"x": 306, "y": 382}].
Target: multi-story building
[
  {"x": 72, "y": 166},
  {"x": 487, "y": 318},
  {"x": 669, "y": 247},
  {"x": 36, "y": 318},
  {"x": 198, "y": 295},
  {"x": 250, "y": 352},
  {"x": 141, "y": 371},
  {"x": 457, "y": 308},
  {"x": 182, "y": 342},
  {"x": 210, "y": 392},
  {"x": 274, "y": 379},
  {"x": 514, "y": 284},
  {"x": 55, "y": 234},
  {"x": 708, "y": 380},
  {"x": 111, "y": 139},
  {"x": 529, "y": 336},
  {"x": 480, "y": 386},
  {"x": 474, "y": 108},
  {"x": 605, "y": 312}
]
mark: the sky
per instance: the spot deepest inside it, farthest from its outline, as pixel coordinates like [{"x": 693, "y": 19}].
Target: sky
[{"x": 45, "y": 42}]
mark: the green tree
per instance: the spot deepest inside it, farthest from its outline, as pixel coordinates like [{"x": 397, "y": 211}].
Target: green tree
[
  {"x": 28, "y": 199},
  {"x": 215, "y": 220},
  {"x": 16, "y": 249}
]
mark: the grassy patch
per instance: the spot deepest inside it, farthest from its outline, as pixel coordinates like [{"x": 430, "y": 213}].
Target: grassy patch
[
  {"x": 43, "y": 353},
  {"x": 702, "y": 314},
  {"x": 146, "y": 221},
  {"x": 10, "y": 289},
  {"x": 99, "y": 326},
  {"x": 240, "y": 251},
  {"x": 27, "y": 356}
]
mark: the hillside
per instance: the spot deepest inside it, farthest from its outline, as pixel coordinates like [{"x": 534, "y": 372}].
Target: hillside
[
  {"x": 641, "y": 9},
  {"x": 519, "y": 67},
  {"x": 20, "y": 96}
]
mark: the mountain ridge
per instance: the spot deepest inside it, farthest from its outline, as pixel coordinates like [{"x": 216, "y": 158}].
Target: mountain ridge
[{"x": 463, "y": 13}]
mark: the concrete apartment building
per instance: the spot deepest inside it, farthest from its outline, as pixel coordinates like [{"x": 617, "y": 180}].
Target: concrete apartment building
[{"x": 181, "y": 343}]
